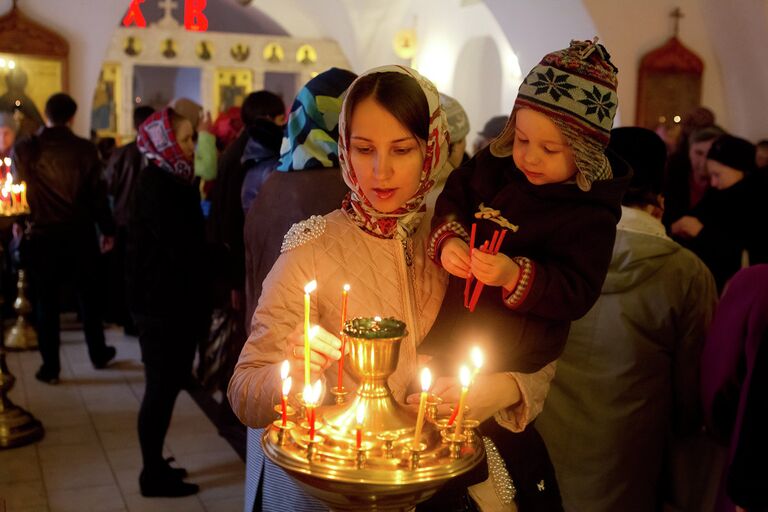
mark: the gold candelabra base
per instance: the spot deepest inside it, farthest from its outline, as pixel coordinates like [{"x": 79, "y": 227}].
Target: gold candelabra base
[
  {"x": 386, "y": 472},
  {"x": 21, "y": 336},
  {"x": 17, "y": 426}
]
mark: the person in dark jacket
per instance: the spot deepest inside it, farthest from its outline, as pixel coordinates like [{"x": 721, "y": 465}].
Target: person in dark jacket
[
  {"x": 687, "y": 180},
  {"x": 167, "y": 286},
  {"x": 227, "y": 218},
  {"x": 121, "y": 174},
  {"x": 547, "y": 180},
  {"x": 723, "y": 225},
  {"x": 307, "y": 182},
  {"x": 67, "y": 199}
]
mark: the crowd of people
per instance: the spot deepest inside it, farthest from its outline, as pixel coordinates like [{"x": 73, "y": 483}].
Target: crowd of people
[{"x": 625, "y": 307}]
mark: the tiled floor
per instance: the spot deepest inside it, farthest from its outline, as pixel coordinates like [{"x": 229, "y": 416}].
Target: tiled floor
[{"x": 89, "y": 459}]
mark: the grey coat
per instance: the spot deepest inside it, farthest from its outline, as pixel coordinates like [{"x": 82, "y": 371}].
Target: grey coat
[{"x": 629, "y": 373}]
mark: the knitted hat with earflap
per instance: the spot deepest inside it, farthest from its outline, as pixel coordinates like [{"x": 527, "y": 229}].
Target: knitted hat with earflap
[{"x": 576, "y": 89}]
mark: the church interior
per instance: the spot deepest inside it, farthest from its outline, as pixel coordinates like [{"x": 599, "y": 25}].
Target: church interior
[{"x": 231, "y": 232}]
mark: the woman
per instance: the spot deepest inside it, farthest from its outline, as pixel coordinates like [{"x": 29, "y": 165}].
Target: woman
[
  {"x": 392, "y": 150},
  {"x": 166, "y": 285}
]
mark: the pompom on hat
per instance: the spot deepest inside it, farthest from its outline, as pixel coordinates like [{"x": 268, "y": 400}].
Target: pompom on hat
[{"x": 576, "y": 89}]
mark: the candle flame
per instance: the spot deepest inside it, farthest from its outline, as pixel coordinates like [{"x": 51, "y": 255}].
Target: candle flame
[
  {"x": 426, "y": 379},
  {"x": 285, "y": 369},
  {"x": 477, "y": 357},
  {"x": 310, "y": 287},
  {"x": 7, "y": 161},
  {"x": 287, "y": 386},
  {"x": 346, "y": 287},
  {"x": 307, "y": 395},
  {"x": 360, "y": 414},
  {"x": 464, "y": 376},
  {"x": 377, "y": 319}
]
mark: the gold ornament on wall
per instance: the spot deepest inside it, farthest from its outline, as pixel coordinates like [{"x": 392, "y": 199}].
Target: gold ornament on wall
[
  {"x": 274, "y": 53},
  {"x": 404, "y": 43},
  {"x": 169, "y": 48},
  {"x": 204, "y": 50},
  {"x": 306, "y": 54},
  {"x": 240, "y": 52},
  {"x": 132, "y": 46}
]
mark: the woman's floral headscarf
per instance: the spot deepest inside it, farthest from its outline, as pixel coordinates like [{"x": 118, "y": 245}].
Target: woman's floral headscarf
[
  {"x": 157, "y": 142},
  {"x": 404, "y": 221}
]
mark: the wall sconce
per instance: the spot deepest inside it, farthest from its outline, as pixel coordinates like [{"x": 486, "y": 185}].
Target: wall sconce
[{"x": 404, "y": 43}]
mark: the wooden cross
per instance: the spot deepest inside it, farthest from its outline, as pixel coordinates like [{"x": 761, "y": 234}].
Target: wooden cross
[
  {"x": 677, "y": 14},
  {"x": 169, "y": 6}
]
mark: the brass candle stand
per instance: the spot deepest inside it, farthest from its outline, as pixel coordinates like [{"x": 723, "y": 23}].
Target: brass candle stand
[
  {"x": 385, "y": 473},
  {"x": 21, "y": 336}
]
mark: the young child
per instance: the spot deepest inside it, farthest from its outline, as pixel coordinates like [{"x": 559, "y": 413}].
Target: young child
[{"x": 548, "y": 181}]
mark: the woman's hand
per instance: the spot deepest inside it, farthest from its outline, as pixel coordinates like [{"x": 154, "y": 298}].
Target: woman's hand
[
  {"x": 488, "y": 394},
  {"x": 495, "y": 270},
  {"x": 455, "y": 257},
  {"x": 687, "y": 227},
  {"x": 324, "y": 350}
]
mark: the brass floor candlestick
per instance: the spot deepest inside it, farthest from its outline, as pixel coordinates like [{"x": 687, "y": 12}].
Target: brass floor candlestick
[
  {"x": 22, "y": 335},
  {"x": 17, "y": 426},
  {"x": 381, "y": 472}
]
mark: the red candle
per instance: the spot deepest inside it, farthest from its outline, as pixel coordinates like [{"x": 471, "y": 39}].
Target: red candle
[
  {"x": 360, "y": 416},
  {"x": 312, "y": 423},
  {"x": 285, "y": 368},
  {"x": 344, "y": 297}
]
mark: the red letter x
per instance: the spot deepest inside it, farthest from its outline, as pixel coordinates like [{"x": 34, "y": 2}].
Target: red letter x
[
  {"x": 134, "y": 15},
  {"x": 194, "y": 19}
]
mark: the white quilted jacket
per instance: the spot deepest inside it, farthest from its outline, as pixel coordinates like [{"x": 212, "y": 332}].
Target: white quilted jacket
[{"x": 382, "y": 284}]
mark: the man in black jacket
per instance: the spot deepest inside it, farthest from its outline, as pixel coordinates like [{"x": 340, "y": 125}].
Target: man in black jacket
[{"x": 67, "y": 198}]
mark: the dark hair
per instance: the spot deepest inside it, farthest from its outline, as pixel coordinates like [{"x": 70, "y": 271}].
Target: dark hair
[
  {"x": 399, "y": 94},
  {"x": 705, "y": 134},
  {"x": 60, "y": 108},
  {"x": 261, "y": 104},
  {"x": 646, "y": 154},
  {"x": 762, "y": 143},
  {"x": 140, "y": 114}
]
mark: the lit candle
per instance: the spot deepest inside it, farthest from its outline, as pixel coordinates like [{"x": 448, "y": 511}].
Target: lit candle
[
  {"x": 7, "y": 161},
  {"x": 309, "y": 288},
  {"x": 477, "y": 361},
  {"x": 311, "y": 396},
  {"x": 458, "y": 413},
  {"x": 359, "y": 416},
  {"x": 285, "y": 369},
  {"x": 344, "y": 297},
  {"x": 426, "y": 382}
]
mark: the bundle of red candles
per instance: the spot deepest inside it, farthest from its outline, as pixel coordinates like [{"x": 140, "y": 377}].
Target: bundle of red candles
[{"x": 492, "y": 247}]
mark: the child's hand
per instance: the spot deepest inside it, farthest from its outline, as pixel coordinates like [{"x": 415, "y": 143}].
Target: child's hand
[
  {"x": 495, "y": 270},
  {"x": 455, "y": 257}
]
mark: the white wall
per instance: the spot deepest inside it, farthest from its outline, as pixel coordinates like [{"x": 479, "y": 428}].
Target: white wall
[{"x": 88, "y": 26}]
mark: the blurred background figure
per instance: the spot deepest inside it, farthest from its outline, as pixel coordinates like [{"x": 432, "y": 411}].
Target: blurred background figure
[
  {"x": 490, "y": 131},
  {"x": 8, "y": 129},
  {"x": 458, "y": 129}
]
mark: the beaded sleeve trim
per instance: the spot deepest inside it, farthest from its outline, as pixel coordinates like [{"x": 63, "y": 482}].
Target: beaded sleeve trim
[
  {"x": 527, "y": 274},
  {"x": 442, "y": 233},
  {"x": 502, "y": 482},
  {"x": 302, "y": 232}
]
